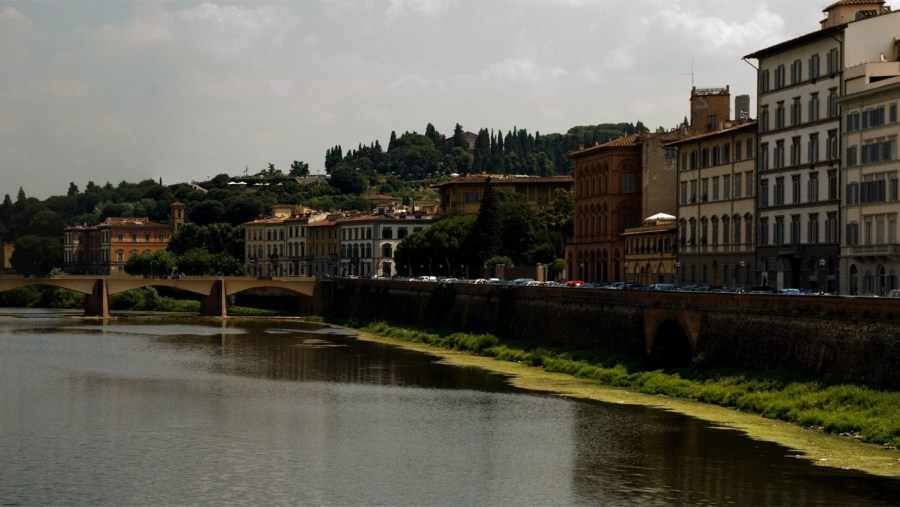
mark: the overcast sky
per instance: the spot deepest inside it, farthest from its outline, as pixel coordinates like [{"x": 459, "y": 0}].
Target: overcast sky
[{"x": 113, "y": 91}]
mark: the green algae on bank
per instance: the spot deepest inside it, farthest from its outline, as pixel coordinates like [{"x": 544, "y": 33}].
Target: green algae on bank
[{"x": 816, "y": 446}]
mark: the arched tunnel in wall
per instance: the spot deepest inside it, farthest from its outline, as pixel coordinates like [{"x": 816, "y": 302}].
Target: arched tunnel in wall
[{"x": 671, "y": 346}]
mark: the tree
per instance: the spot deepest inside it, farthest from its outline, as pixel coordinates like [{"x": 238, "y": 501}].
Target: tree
[
  {"x": 299, "y": 169},
  {"x": 485, "y": 239},
  {"x": 459, "y": 160},
  {"x": 157, "y": 264},
  {"x": 207, "y": 212},
  {"x": 347, "y": 180},
  {"x": 243, "y": 208},
  {"x": 36, "y": 255}
]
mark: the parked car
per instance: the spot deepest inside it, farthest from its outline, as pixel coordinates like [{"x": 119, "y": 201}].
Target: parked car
[
  {"x": 663, "y": 286},
  {"x": 574, "y": 283}
]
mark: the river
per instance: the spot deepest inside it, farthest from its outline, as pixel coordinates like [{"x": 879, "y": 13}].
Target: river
[{"x": 159, "y": 411}]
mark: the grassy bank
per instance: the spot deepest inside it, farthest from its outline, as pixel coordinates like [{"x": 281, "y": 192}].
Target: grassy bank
[{"x": 852, "y": 410}]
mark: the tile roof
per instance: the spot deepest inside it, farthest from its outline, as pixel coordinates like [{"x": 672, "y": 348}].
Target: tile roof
[
  {"x": 622, "y": 142},
  {"x": 501, "y": 179}
]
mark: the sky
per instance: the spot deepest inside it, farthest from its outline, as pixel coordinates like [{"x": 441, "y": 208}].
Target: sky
[{"x": 94, "y": 91}]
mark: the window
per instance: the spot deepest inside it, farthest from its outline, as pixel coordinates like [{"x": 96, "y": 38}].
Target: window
[
  {"x": 795, "y": 189},
  {"x": 763, "y": 160},
  {"x": 764, "y": 81},
  {"x": 831, "y": 227},
  {"x": 778, "y": 233},
  {"x": 762, "y": 236},
  {"x": 716, "y": 156},
  {"x": 779, "y": 191},
  {"x": 737, "y": 186},
  {"x": 402, "y": 232},
  {"x": 812, "y": 232},
  {"x": 762, "y": 198},
  {"x": 628, "y": 183},
  {"x": 779, "y": 77},
  {"x": 892, "y": 113},
  {"x": 795, "y": 150},
  {"x": 851, "y": 155},
  {"x": 736, "y": 226},
  {"x": 693, "y": 191},
  {"x": 795, "y": 111},
  {"x": 831, "y": 145},
  {"x": 387, "y": 233},
  {"x": 726, "y": 153},
  {"x": 853, "y": 122},
  {"x": 763, "y": 119},
  {"x": 726, "y": 231},
  {"x": 852, "y": 193},
  {"x": 812, "y": 187},
  {"x": 683, "y": 197},
  {"x": 748, "y": 178},
  {"x": 795, "y": 229},
  {"x": 726, "y": 187},
  {"x": 472, "y": 196},
  {"x": 796, "y": 70},
  {"x": 748, "y": 226},
  {"x": 832, "y": 103},
  {"x": 704, "y": 190},
  {"x": 852, "y": 234},
  {"x": 813, "y": 151},
  {"x": 814, "y": 66},
  {"x": 778, "y": 155},
  {"x": 749, "y": 148},
  {"x": 813, "y": 107},
  {"x": 834, "y": 64},
  {"x": 779, "y": 115},
  {"x": 715, "y": 188}
]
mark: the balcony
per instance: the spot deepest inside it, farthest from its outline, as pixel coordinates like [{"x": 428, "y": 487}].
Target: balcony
[{"x": 889, "y": 250}]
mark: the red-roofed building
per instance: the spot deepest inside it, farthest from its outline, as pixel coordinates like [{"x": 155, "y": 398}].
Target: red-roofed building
[{"x": 462, "y": 194}]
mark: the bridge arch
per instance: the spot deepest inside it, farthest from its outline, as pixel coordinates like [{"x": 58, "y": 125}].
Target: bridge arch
[{"x": 671, "y": 346}]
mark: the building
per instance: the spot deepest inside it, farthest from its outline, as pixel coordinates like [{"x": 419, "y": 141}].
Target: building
[
  {"x": 6, "y": 251},
  {"x": 105, "y": 248},
  {"x": 323, "y": 241},
  {"x": 278, "y": 245},
  {"x": 650, "y": 251},
  {"x": 716, "y": 180},
  {"x": 462, "y": 194},
  {"x": 368, "y": 242},
  {"x": 799, "y": 156},
  {"x": 870, "y": 252},
  {"x": 607, "y": 202}
]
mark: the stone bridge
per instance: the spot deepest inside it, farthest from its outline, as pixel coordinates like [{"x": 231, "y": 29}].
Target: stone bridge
[{"x": 213, "y": 290}]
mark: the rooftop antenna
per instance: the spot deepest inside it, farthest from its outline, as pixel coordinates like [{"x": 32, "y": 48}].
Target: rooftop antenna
[{"x": 691, "y": 74}]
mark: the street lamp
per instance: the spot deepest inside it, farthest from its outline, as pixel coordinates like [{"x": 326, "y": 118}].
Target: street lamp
[
  {"x": 741, "y": 274},
  {"x": 677, "y": 273},
  {"x": 821, "y": 275}
]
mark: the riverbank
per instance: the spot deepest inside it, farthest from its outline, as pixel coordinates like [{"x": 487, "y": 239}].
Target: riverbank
[{"x": 824, "y": 449}]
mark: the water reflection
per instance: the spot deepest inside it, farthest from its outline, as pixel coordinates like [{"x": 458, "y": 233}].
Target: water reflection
[{"x": 253, "y": 412}]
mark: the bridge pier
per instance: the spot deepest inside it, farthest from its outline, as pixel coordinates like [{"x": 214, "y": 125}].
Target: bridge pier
[
  {"x": 96, "y": 304},
  {"x": 214, "y": 305}
]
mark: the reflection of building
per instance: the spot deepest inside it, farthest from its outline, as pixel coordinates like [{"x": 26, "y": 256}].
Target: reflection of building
[
  {"x": 463, "y": 194},
  {"x": 6, "y": 250},
  {"x": 870, "y": 250},
  {"x": 104, "y": 249}
]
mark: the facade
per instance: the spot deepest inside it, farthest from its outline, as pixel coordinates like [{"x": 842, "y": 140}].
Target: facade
[
  {"x": 104, "y": 249},
  {"x": 462, "y": 194},
  {"x": 799, "y": 157},
  {"x": 716, "y": 180},
  {"x": 368, "y": 242},
  {"x": 6, "y": 251},
  {"x": 323, "y": 241},
  {"x": 650, "y": 251},
  {"x": 607, "y": 202},
  {"x": 277, "y": 245},
  {"x": 870, "y": 251}
]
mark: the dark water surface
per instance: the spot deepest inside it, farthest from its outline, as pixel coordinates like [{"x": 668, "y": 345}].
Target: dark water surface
[{"x": 258, "y": 412}]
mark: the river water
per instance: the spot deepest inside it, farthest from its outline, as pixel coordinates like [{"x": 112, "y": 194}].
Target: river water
[{"x": 252, "y": 412}]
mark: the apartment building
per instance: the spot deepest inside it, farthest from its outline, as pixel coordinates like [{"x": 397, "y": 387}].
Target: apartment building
[
  {"x": 799, "y": 85},
  {"x": 277, "y": 245},
  {"x": 462, "y": 194},
  {"x": 716, "y": 181},
  {"x": 870, "y": 251},
  {"x": 368, "y": 242}
]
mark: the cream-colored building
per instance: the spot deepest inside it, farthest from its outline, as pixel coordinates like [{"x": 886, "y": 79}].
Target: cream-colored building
[
  {"x": 716, "y": 180},
  {"x": 870, "y": 250},
  {"x": 277, "y": 245},
  {"x": 799, "y": 154}
]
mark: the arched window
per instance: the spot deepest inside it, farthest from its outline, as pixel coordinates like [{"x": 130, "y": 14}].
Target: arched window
[{"x": 387, "y": 251}]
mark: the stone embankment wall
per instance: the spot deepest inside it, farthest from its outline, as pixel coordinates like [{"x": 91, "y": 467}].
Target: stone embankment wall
[{"x": 856, "y": 339}]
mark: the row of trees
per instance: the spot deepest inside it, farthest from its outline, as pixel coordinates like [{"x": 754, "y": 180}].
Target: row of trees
[
  {"x": 505, "y": 231},
  {"x": 414, "y": 156}
]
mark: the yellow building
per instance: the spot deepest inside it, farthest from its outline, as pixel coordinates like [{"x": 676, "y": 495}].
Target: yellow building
[{"x": 462, "y": 194}]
